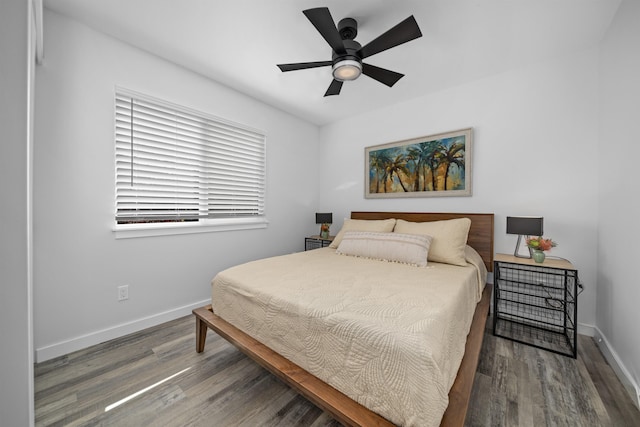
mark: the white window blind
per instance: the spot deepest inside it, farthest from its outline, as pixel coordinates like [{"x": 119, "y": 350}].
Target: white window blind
[{"x": 176, "y": 164}]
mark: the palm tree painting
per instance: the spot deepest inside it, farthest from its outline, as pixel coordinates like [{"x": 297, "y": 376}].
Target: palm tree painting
[{"x": 436, "y": 165}]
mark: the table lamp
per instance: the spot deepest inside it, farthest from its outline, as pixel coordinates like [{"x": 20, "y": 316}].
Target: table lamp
[
  {"x": 325, "y": 219},
  {"x": 524, "y": 226}
]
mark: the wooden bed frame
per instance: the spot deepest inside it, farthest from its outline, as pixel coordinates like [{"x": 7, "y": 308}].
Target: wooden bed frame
[{"x": 340, "y": 406}]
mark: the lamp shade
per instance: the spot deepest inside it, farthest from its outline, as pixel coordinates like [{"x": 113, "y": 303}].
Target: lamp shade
[
  {"x": 525, "y": 225},
  {"x": 324, "y": 218}
]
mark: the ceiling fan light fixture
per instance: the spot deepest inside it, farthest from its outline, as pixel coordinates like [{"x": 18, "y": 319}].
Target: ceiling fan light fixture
[{"x": 347, "y": 69}]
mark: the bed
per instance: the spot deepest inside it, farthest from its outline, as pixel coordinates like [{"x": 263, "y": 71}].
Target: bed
[{"x": 354, "y": 356}]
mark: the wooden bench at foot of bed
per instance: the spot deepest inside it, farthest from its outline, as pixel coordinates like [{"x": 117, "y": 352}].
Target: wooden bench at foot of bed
[{"x": 341, "y": 407}]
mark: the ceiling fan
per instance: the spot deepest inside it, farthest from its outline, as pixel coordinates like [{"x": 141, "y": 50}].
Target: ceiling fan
[{"x": 348, "y": 54}]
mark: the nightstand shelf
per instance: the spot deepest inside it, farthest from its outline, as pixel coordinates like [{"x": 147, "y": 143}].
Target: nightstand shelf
[
  {"x": 536, "y": 304},
  {"x": 316, "y": 242}
]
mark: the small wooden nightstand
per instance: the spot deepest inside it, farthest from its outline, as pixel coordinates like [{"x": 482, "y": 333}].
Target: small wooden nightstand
[
  {"x": 315, "y": 242},
  {"x": 536, "y": 303}
]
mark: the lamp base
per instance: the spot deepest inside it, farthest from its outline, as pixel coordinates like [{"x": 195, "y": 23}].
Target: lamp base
[
  {"x": 516, "y": 252},
  {"x": 324, "y": 231}
]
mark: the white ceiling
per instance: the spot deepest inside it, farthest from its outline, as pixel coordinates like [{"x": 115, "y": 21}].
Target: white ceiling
[{"x": 239, "y": 42}]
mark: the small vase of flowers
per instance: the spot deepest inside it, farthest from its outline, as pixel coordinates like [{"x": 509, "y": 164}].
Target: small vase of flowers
[{"x": 537, "y": 246}]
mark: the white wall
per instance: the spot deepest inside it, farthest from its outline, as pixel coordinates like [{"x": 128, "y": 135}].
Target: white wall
[
  {"x": 617, "y": 312},
  {"x": 16, "y": 84},
  {"x": 535, "y": 153},
  {"x": 78, "y": 263}
]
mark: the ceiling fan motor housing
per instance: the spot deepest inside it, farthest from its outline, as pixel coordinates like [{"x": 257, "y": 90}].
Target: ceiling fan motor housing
[
  {"x": 351, "y": 46},
  {"x": 348, "y": 29}
]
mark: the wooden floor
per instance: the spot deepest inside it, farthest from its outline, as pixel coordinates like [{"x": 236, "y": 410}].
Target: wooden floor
[{"x": 168, "y": 384}]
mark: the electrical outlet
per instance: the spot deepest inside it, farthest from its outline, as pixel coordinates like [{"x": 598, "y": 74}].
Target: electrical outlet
[{"x": 123, "y": 292}]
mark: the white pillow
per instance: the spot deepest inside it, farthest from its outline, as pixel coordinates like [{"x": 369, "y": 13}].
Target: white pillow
[
  {"x": 404, "y": 248},
  {"x": 449, "y": 238},
  {"x": 377, "y": 225}
]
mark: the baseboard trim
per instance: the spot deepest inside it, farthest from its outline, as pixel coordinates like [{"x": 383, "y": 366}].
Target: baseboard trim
[
  {"x": 588, "y": 330},
  {"x": 618, "y": 367},
  {"x": 78, "y": 343}
]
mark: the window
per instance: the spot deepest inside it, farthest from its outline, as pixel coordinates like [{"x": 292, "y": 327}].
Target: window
[{"x": 176, "y": 165}]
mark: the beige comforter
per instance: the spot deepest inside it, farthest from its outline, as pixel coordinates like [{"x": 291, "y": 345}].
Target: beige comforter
[{"x": 388, "y": 335}]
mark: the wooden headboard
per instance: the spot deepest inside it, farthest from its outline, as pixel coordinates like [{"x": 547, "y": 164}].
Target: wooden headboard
[{"x": 480, "y": 234}]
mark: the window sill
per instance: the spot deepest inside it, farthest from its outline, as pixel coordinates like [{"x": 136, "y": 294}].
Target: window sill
[{"x": 129, "y": 231}]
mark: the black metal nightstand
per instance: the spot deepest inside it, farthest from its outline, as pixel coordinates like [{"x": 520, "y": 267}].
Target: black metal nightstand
[
  {"x": 536, "y": 304},
  {"x": 315, "y": 242}
]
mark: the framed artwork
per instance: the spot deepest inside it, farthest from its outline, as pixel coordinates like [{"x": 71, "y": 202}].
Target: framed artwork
[{"x": 429, "y": 166}]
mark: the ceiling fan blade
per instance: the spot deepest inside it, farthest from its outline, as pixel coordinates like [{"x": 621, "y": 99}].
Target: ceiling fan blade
[
  {"x": 405, "y": 31},
  {"x": 334, "y": 88},
  {"x": 303, "y": 65},
  {"x": 382, "y": 75},
  {"x": 321, "y": 18}
]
